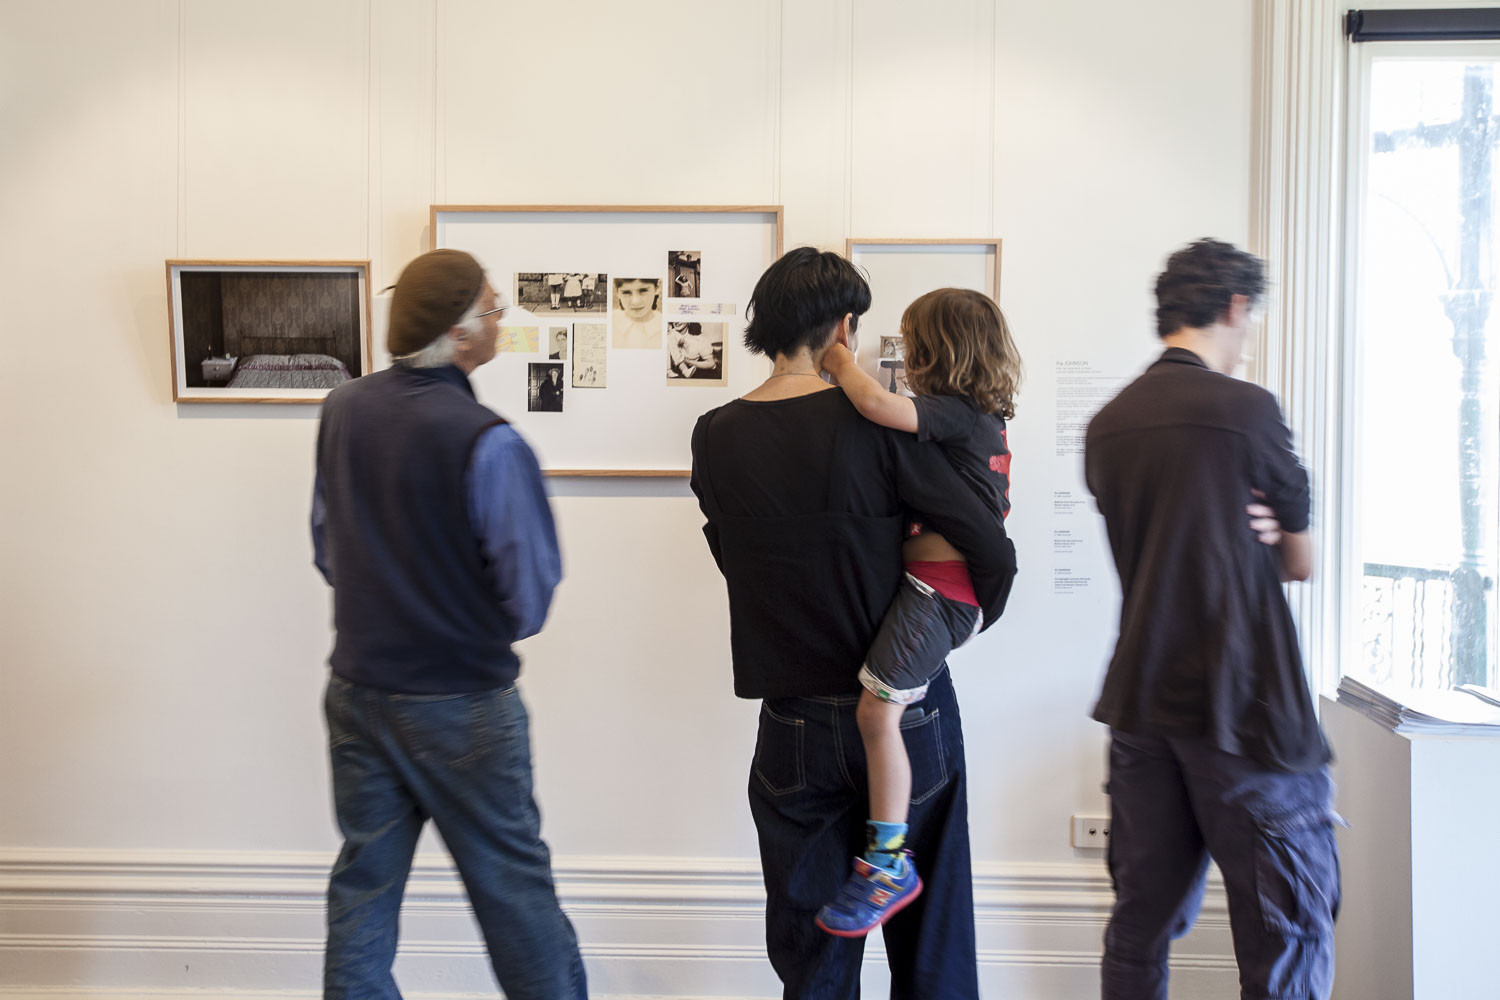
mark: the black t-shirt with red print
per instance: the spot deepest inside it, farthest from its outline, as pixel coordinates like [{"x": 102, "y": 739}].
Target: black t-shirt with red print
[{"x": 975, "y": 444}]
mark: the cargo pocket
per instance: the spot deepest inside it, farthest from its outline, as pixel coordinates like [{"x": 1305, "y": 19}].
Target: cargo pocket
[
  {"x": 1297, "y": 873},
  {"x": 923, "y": 736},
  {"x": 778, "y": 753}
]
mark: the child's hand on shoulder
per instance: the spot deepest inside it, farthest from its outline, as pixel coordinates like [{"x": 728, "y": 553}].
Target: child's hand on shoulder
[{"x": 838, "y": 359}]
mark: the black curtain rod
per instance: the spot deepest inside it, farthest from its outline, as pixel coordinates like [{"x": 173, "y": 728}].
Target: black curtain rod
[{"x": 1431, "y": 25}]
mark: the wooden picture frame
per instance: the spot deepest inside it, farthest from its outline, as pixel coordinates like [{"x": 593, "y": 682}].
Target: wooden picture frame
[
  {"x": 632, "y": 424},
  {"x": 899, "y": 270},
  {"x": 267, "y": 331},
  {"x": 993, "y": 291},
  {"x": 777, "y": 210}
]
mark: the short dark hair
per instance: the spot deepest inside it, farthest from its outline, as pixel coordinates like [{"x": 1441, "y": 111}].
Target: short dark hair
[
  {"x": 1199, "y": 281},
  {"x": 800, "y": 299}
]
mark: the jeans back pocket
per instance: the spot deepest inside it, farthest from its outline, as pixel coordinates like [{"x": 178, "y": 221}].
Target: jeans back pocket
[
  {"x": 454, "y": 730},
  {"x": 778, "y": 753}
]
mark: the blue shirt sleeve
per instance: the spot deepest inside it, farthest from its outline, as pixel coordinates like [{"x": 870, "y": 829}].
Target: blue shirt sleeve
[
  {"x": 513, "y": 522},
  {"x": 319, "y": 517}
]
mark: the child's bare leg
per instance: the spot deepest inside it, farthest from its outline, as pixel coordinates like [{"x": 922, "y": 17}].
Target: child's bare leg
[
  {"x": 883, "y": 879},
  {"x": 885, "y": 752}
]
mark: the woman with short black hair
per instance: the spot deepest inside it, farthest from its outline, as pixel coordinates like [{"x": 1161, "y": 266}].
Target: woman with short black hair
[{"x": 807, "y": 504}]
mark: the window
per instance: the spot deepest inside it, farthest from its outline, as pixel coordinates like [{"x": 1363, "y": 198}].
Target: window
[{"x": 1424, "y": 209}]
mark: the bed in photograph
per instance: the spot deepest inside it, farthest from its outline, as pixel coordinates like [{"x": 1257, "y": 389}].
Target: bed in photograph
[{"x": 288, "y": 371}]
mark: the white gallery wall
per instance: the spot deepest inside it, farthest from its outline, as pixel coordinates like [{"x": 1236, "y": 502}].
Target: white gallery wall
[{"x": 164, "y": 808}]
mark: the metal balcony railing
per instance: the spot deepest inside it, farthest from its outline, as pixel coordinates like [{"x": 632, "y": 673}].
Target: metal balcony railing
[{"x": 1410, "y": 622}]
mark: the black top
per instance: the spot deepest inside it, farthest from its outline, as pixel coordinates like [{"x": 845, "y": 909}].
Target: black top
[
  {"x": 1207, "y": 646},
  {"x": 974, "y": 442},
  {"x": 806, "y": 504},
  {"x": 413, "y": 605},
  {"x": 549, "y": 395}
]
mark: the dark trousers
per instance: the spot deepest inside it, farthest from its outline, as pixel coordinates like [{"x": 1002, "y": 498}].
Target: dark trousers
[
  {"x": 1176, "y": 802},
  {"x": 808, "y": 795},
  {"x": 465, "y": 762}
]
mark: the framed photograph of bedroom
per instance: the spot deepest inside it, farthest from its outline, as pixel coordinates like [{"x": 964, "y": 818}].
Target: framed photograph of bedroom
[{"x": 267, "y": 331}]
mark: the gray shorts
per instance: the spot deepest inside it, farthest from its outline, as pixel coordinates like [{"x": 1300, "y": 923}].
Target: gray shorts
[{"x": 920, "y": 629}]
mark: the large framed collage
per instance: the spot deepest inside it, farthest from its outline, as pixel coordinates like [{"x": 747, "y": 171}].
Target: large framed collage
[{"x": 626, "y": 323}]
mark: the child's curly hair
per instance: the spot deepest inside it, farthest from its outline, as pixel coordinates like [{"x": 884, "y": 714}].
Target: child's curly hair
[{"x": 958, "y": 344}]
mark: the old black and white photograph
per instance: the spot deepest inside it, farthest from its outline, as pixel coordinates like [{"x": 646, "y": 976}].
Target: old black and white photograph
[
  {"x": 695, "y": 354},
  {"x": 267, "y": 331},
  {"x": 557, "y": 343},
  {"x": 636, "y": 316},
  {"x": 684, "y": 271},
  {"x": 892, "y": 346},
  {"x": 562, "y": 291},
  {"x": 546, "y": 387}
]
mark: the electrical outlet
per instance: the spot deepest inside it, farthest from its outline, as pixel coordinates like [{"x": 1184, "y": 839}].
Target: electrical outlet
[{"x": 1091, "y": 832}]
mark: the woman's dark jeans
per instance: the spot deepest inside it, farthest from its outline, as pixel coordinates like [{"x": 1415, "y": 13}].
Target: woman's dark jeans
[{"x": 808, "y": 794}]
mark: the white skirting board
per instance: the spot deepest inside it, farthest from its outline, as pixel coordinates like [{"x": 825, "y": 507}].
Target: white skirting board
[{"x": 156, "y": 925}]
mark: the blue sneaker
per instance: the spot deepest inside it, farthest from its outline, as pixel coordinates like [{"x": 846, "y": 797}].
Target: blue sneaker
[{"x": 869, "y": 898}]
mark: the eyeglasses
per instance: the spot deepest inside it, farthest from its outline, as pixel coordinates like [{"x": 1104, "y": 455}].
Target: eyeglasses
[{"x": 501, "y": 304}]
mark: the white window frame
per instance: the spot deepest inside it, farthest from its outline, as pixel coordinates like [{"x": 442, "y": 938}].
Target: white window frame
[
  {"x": 1302, "y": 223},
  {"x": 1296, "y": 225},
  {"x": 1350, "y": 571}
]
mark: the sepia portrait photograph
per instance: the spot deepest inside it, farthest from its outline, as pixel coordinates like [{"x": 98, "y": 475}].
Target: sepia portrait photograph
[
  {"x": 892, "y": 346},
  {"x": 557, "y": 343},
  {"x": 684, "y": 269},
  {"x": 636, "y": 314},
  {"x": 545, "y": 385}
]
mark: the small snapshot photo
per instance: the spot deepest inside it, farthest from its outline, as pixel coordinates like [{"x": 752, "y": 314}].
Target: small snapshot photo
[
  {"x": 518, "y": 340},
  {"x": 545, "y": 384},
  {"x": 636, "y": 314},
  {"x": 695, "y": 354},
  {"x": 892, "y": 347},
  {"x": 684, "y": 269},
  {"x": 557, "y": 343},
  {"x": 590, "y": 355},
  {"x": 562, "y": 292},
  {"x": 283, "y": 331}
]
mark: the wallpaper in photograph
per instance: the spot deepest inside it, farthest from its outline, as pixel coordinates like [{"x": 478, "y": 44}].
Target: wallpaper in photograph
[{"x": 293, "y": 314}]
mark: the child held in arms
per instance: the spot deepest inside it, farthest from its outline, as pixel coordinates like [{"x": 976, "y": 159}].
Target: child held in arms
[{"x": 965, "y": 371}]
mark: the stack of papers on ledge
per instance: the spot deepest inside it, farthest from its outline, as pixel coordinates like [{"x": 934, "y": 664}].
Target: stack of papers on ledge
[
  {"x": 1410, "y": 710},
  {"x": 1490, "y": 695}
]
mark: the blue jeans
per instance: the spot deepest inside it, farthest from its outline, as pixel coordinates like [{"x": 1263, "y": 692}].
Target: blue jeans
[
  {"x": 809, "y": 798},
  {"x": 464, "y": 761},
  {"x": 1174, "y": 802}
]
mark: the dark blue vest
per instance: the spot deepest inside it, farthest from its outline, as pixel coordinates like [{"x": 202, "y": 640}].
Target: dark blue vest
[{"x": 413, "y": 603}]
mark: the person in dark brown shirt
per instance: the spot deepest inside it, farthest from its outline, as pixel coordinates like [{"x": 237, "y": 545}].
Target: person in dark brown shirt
[{"x": 1216, "y": 750}]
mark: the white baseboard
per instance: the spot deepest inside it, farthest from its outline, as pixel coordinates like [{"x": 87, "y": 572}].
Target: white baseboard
[{"x": 143, "y": 925}]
